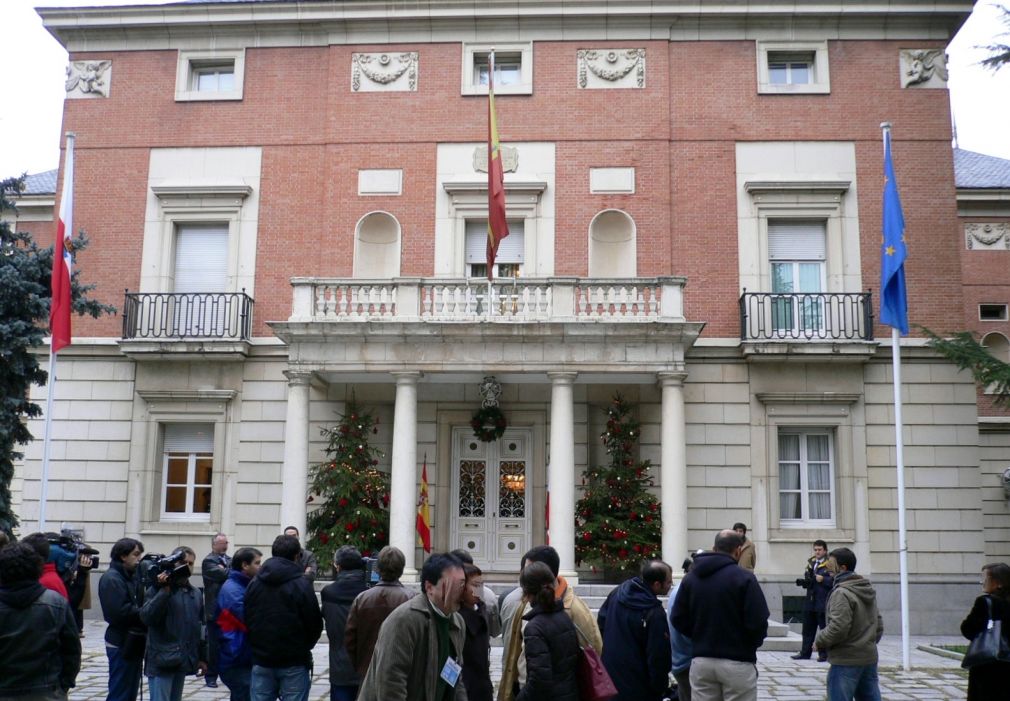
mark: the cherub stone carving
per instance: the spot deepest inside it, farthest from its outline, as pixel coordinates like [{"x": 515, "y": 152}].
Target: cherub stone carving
[
  {"x": 88, "y": 78},
  {"x": 920, "y": 67}
]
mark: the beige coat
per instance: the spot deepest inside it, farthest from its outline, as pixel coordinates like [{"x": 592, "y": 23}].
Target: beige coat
[
  {"x": 581, "y": 616},
  {"x": 748, "y": 557},
  {"x": 404, "y": 666}
]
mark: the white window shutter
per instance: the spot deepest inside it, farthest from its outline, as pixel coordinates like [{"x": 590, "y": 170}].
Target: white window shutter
[
  {"x": 189, "y": 438},
  {"x": 201, "y": 259},
  {"x": 796, "y": 240},
  {"x": 510, "y": 250}
]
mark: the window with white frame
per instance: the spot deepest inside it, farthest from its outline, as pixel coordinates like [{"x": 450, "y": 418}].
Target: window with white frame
[
  {"x": 793, "y": 67},
  {"x": 200, "y": 307},
  {"x": 210, "y": 75},
  {"x": 806, "y": 477},
  {"x": 790, "y": 67},
  {"x": 513, "y": 70},
  {"x": 797, "y": 255},
  {"x": 508, "y": 262},
  {"x": 187, "y": 471}
]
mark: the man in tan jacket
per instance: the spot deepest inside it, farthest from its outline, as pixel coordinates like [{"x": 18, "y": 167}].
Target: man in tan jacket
[
  {"x": 748, "y": 556},
  {"x": 373, "y": 606},
  {"x": 419, "y": 653},
  {"x": 513, "y": 669}
]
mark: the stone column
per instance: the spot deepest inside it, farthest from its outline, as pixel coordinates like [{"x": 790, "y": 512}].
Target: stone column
[
  {"x": 403, "y": 483},
  {"x": 561, "y": 472},
  {"x": 295, "y": 472},
  {"x": 673, "y": 463}
]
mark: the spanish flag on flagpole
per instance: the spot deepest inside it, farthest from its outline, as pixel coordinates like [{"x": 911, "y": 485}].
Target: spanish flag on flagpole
[
  {"x": 497, "y": 226},
  {"x": 423, "y": 515}
]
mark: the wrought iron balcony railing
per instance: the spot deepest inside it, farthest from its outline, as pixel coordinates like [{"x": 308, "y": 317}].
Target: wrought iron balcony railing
[
  {"x": 806, "y": 316},
  {"x": 187, "y": 315}
]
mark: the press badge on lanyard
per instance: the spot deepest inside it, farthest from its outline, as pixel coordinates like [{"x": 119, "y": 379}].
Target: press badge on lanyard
[{"x": 450, "y": 673}]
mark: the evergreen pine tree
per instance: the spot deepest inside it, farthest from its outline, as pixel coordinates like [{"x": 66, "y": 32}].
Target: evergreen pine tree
[
  {"x": 25, "y": 271},
  {"x": 354, "y": 495},
  {"x": 617, "y": 521}
]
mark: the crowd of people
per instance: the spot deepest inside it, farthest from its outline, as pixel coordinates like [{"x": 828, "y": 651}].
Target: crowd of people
[{"x": 255, "y": 623}]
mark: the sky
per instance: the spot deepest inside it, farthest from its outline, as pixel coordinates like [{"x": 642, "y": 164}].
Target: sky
[{"x": 31, "y": 110}]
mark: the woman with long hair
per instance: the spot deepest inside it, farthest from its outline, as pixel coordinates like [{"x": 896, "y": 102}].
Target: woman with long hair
[
  {"x": 550, "y": 641},
  {"x": 989, "y": 681}
]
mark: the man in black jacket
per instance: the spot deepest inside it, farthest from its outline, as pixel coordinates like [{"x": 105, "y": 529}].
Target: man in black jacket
[
  {"x": 121, "y": 595},
  {"x": 636, "y": 639},
  {"x": 284, "y": 625},
  {"x": 723, "y": 610},
  {"x": 817, "y": 580},
  {"x": 176, "y": 644},
  {"x": 337, "y": 599},
  {"x": 39, "y": 645},
  {"x": 214, "y": 570}
]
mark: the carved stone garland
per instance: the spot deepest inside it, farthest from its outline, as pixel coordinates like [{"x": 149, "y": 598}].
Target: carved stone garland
[
  {"x": 987, "y": 234},
  {"x": 384, "y": 69},
  {"x": 611, "y": 65}
]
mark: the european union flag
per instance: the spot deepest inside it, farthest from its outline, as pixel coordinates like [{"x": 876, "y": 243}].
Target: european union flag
[{"x": 893, "y": 251}]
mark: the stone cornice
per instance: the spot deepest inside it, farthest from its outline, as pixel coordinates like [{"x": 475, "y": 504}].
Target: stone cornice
[
  {"x": 366, "y": 22},
  {"x": 835, "y": 187}
]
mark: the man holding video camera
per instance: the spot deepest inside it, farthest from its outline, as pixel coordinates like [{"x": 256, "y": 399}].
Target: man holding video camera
[
  {"x": 173, "y": 614},
  {"x": 121, "y": 594},
  {"x": 817, "y": 580}
]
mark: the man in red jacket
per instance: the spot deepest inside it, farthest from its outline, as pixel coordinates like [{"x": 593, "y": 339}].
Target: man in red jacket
[{"x": 50, "y": 579}]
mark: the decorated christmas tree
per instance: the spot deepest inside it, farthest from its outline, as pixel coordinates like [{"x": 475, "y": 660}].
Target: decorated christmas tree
[
  {"x": 617, "y": 522},
  {"x": 353, "y": 495}
]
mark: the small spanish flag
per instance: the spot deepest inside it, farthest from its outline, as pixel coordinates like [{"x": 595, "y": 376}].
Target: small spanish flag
[{"x": 423, "y": 516}]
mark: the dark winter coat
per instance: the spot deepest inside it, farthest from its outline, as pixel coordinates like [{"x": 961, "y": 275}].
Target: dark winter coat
[
  {"x": 721, "y": 608},
  {"x": 214, "y": 571},
  {"x": 229, "y": 614},
  {"x": 853, "y": 624},
  {"x": 368, "y": 612},
  {"x": 121, "y": 597},
  {"x": 476, "y": 662},
  {"x": 551, "y": 646},
  {"x": 307, "y": 563},
  {"x": 337, "y": 599},
  {"x": 817, "y": 592},
  {"x": 636, "y": 642},
  {"x": 40, "y": 650},
  {"x": 282, "y": 615},
  {"x": 988, "y": 681},
  {"x": 175, "y": 632}
]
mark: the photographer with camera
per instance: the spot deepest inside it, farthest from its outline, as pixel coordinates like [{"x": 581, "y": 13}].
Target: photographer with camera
[
  {"x": 817, "y": 580},
  {"x": 120, "y": 592},
  {"x": 173, "y": 613}
]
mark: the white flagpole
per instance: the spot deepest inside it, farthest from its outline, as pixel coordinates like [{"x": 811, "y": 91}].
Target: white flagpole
[
  {"x": 46, "y": 441},
  {"x": 899, "y": 449}
]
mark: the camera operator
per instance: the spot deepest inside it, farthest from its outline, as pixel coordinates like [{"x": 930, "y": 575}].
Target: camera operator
[
  {"x": 817, "y": 580},
  {"x": 173, "y": 613},
  {"x": 79, "y": 590},
  {"x": 120, "y": 592}
]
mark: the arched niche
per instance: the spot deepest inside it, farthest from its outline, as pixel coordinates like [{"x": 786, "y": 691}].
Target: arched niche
[
  {"x": 377, "y": 246},
  {"x": 997, "y": 345},
  {"x": 612, "y": 245}
]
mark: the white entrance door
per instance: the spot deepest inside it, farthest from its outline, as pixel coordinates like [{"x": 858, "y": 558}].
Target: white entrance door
[{"x": 491, "y": 497}]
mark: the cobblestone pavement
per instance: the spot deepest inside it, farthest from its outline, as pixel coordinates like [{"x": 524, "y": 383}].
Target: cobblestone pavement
[{"x": 932, "y": 676}]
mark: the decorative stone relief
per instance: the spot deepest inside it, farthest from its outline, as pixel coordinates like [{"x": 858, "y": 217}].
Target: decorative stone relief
[
  {"x": 87, "y": 79},
  {"x": 611, "y": 68},
  {"x": 509, "y": 159},
  {"x": 987, "y": 236},
  {"x": 384, "y": 72},
  {"x": 923, "y": 68}
]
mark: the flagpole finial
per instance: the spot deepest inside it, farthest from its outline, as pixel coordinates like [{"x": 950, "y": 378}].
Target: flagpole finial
[
  {"x": 886, "y": 126},
  {"x": 71, "y": 135}
]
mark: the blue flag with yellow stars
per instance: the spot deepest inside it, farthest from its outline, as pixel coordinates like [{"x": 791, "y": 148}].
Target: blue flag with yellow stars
[{"x": 893, "y": 251}]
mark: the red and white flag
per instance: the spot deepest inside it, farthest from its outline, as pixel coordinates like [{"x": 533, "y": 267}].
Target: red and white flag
[{"x": 63, "y": 259}]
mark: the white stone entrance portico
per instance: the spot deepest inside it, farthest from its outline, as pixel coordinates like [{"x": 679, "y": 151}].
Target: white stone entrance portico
[{"x": 558, "y": 332}]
